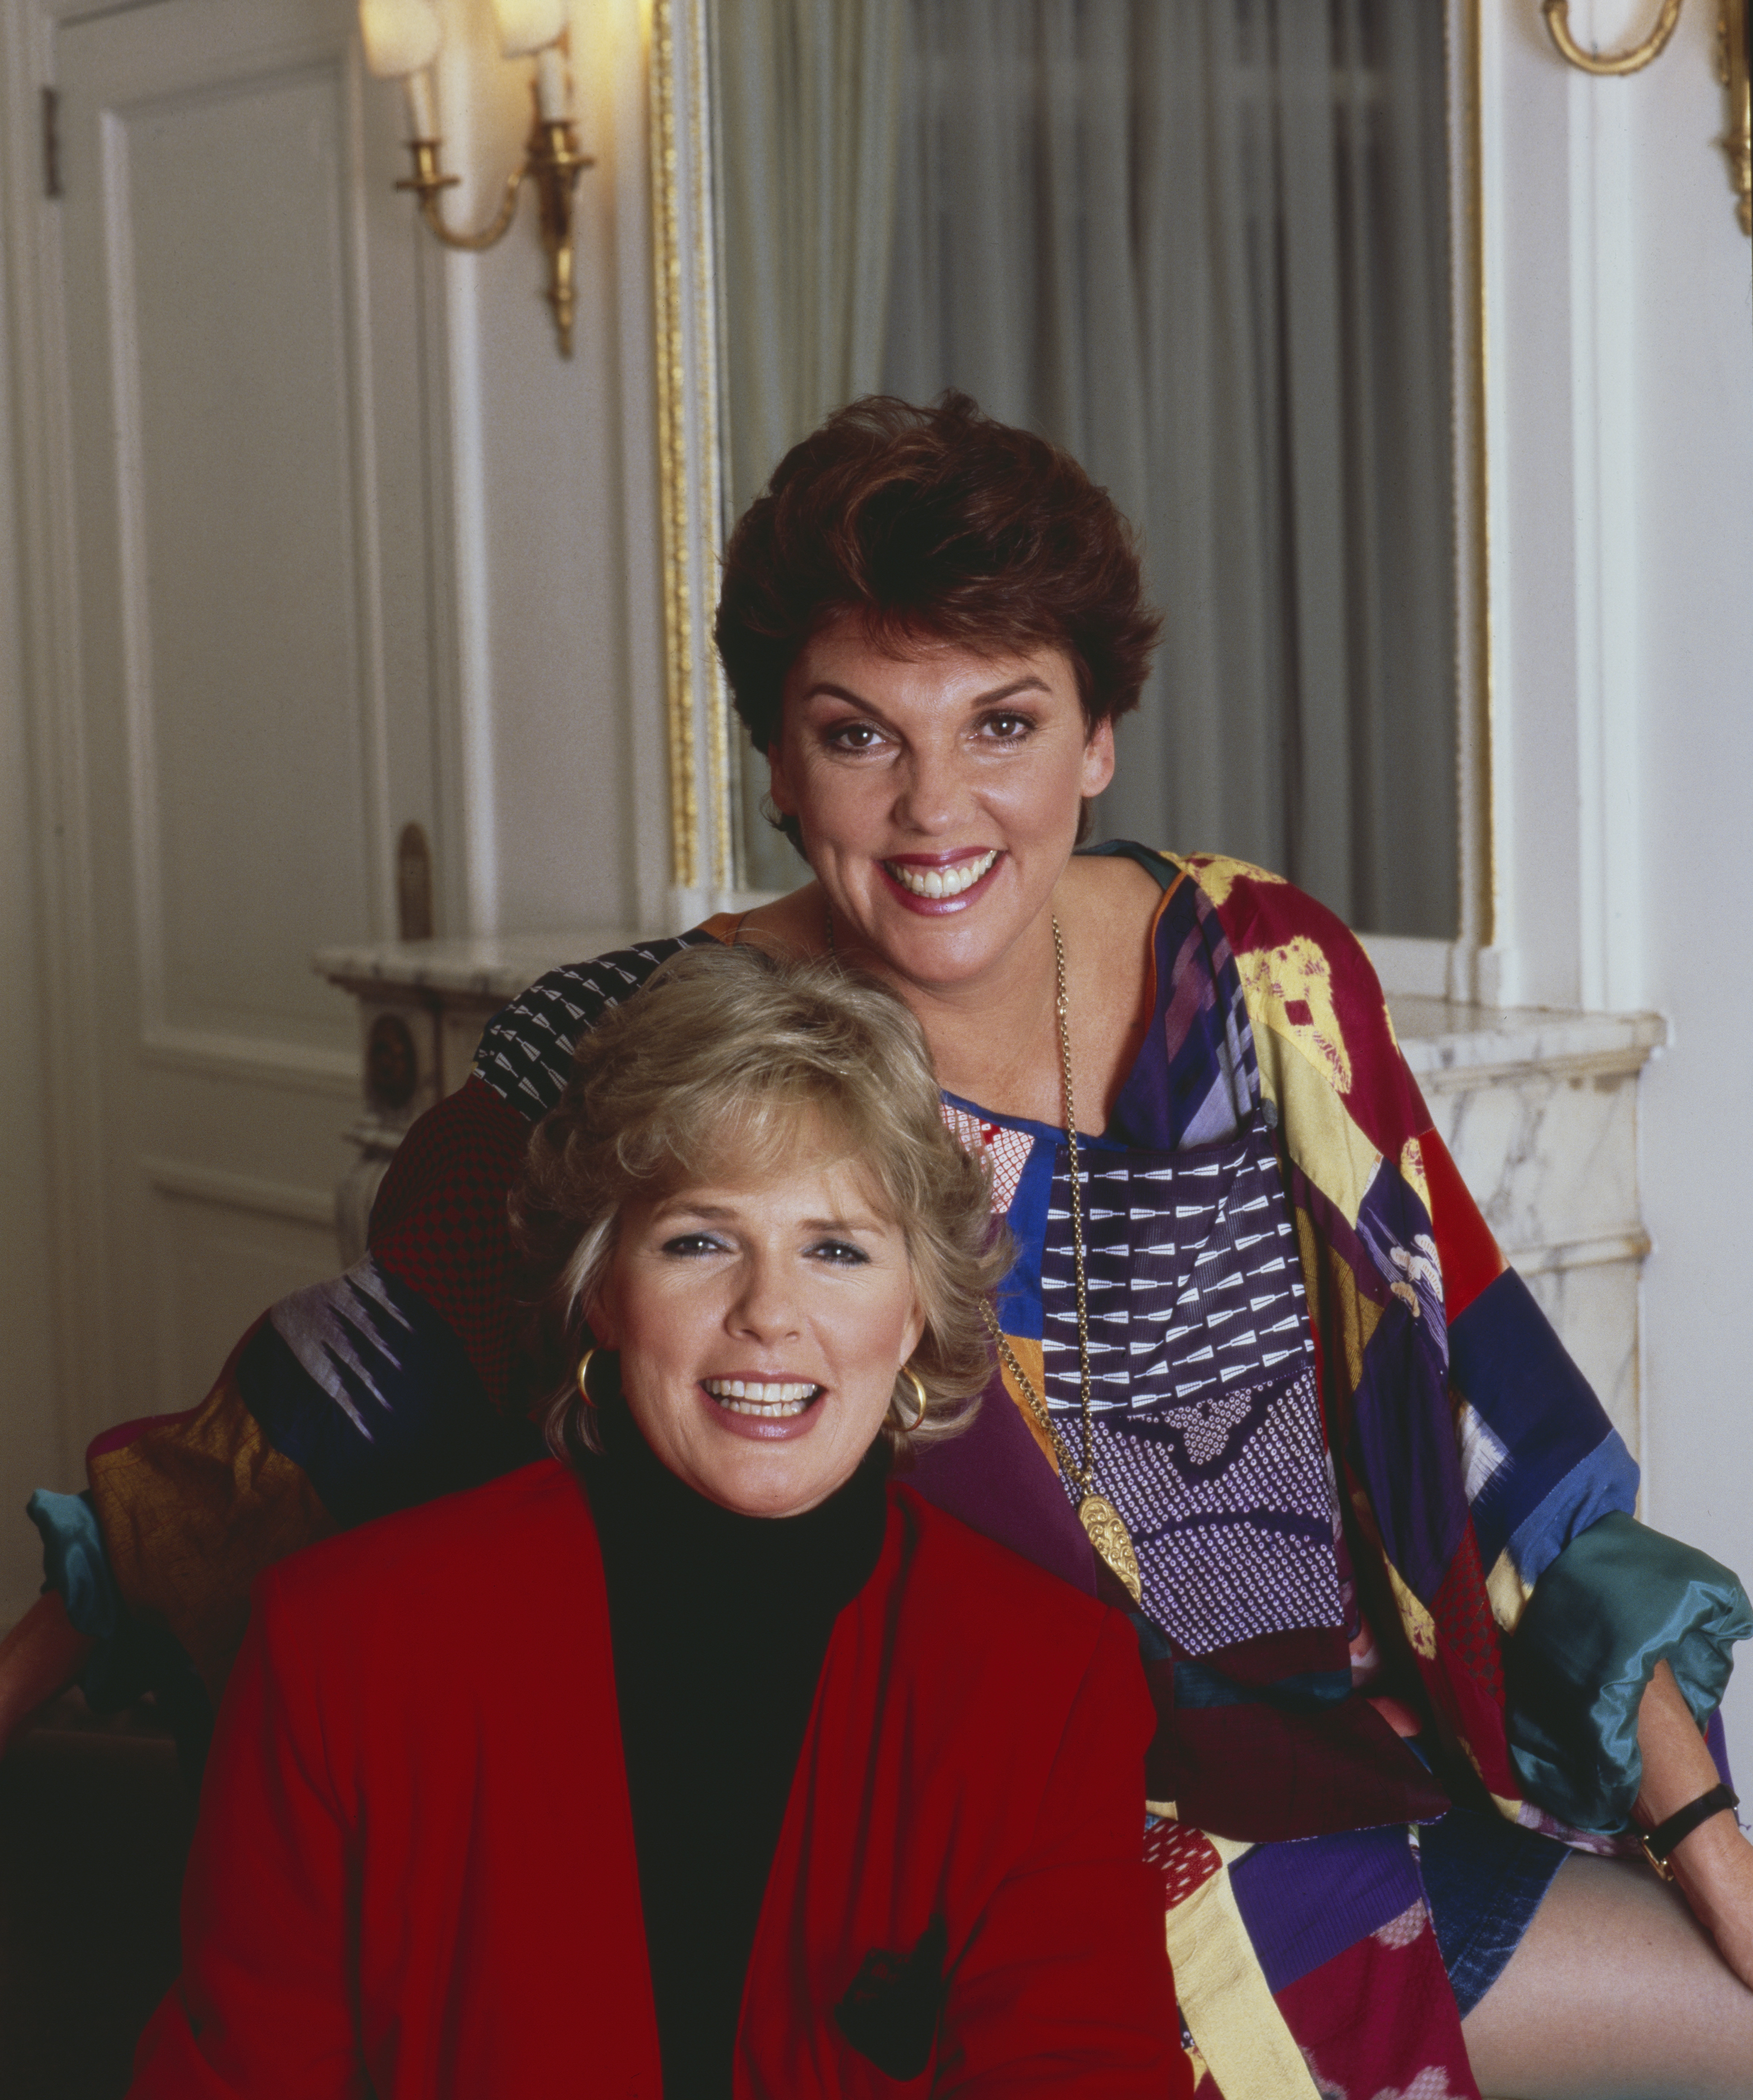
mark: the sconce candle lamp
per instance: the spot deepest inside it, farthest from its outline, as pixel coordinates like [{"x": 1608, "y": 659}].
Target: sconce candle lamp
[{"x": 402, "y": 40}]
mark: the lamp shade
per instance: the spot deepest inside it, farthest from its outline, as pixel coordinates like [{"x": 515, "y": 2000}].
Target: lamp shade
[
  {"x": 528, "y": 25},
  {"x": 401, "y": 37}
]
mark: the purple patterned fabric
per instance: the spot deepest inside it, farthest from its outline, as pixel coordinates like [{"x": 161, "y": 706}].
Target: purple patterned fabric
[
  {"x": 992, "y": 1477},
  {"x": 1306, "y": 1901}
]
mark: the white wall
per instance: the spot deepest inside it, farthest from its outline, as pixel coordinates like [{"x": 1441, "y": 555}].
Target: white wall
[
  {"x": 1620, "y": 293},
  {"x": 554, "y": 511},
  {"x": 1693, "y": 345}
]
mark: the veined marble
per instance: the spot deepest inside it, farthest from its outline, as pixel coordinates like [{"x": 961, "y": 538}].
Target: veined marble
[
  {"x": 1539, "y": 1110},
  {"x": 1538, "y": 1107}
]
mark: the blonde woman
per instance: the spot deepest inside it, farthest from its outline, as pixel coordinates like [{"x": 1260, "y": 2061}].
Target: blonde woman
[{"x": 707, "y": 1758}]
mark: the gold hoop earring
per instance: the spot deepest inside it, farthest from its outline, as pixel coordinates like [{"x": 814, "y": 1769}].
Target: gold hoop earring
[
  {"x": 583, "y": 1373},
  {"x": 913, "y": 1378}
]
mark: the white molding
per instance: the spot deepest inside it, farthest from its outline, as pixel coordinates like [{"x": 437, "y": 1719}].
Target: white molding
[
  {"x": 370, "y": 663},
  {"x": 1423, "y": 969},
  {"x": 1458, "y": 971},
  {"x": 1492, "y": 450},
  {"x": 74, "y": 1013},
  {"x": 238, "y": 1191},
  {"x": 1604, "y": 434},
  {"x": 471, "y": 570},
  {"x": 455, "y": 844},
  {"x": 132, "y": 569},
  {"x": 1475, "y": 859},
  {"x": 257, "y": 1060}
]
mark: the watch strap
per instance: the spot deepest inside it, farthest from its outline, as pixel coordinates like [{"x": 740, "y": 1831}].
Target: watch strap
[{"x": 1659, "y": 1842}]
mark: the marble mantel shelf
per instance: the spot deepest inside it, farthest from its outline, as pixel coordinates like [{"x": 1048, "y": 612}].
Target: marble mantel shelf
[
  {"x": 1538, "y": 1107},
  {"x": 1448, "y": 1045},
  {"x": 1437, "y": 1034},
  {"x": 481, "y": 966}
]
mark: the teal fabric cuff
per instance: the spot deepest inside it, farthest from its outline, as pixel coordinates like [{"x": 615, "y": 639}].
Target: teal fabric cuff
[
  {"x": 126, "y": 1660},
  {"x": 74, "y": 1561},
  {"x": 1617, "y": 1600},
  {"x": 132, "y": 1656}
]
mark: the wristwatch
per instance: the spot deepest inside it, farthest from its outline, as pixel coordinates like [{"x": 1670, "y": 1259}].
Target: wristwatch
[{"x": 1659, "y": 1842}]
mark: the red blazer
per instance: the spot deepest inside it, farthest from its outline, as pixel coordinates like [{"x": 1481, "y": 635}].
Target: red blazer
[{"x": 414, "y": 1869}]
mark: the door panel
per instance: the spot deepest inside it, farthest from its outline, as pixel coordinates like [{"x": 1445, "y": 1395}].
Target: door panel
[
  {"x": 248, "y": 703},
  {"x": 258, "y": 682}
]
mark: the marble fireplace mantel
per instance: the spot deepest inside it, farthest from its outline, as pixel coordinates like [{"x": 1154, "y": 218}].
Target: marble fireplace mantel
[{"x": 1538, "y": 1108}]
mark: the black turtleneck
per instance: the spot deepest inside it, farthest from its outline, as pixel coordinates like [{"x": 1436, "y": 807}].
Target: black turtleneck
[{"x": 720, "y": 1624}]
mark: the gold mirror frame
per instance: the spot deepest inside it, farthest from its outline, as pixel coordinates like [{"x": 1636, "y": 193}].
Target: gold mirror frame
[
  {"x": 702, "y": 832},
  {"x": 703, "y": 732}
]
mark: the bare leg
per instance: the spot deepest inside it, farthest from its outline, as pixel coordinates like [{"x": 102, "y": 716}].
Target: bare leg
[
  {"x": 1617, "y": 1993},
  {"x": 41, "y": 1656}
]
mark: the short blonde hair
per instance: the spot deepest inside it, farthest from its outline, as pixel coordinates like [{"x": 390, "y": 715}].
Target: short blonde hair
[{"x": 721, "y": 1058}]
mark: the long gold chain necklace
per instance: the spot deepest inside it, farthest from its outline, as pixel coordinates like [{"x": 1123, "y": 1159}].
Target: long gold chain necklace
[{"x": 1106, "y": 1527}]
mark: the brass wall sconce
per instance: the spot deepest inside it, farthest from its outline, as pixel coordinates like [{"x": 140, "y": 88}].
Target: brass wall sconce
[
  {"x": 402, "y": 40},
  {"x": 1732, "y": 69}
]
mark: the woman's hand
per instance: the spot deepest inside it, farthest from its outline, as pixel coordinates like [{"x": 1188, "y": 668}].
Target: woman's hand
[{"x": 1713, "y": 1864}]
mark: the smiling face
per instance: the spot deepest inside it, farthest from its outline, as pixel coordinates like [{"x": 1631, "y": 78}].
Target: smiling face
[
  {"x": 761, "y": 1319},
  {"x": 938, "y": 792}
]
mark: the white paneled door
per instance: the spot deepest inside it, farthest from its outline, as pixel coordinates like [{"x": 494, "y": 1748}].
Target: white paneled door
[{"x": 250, "y": 672}]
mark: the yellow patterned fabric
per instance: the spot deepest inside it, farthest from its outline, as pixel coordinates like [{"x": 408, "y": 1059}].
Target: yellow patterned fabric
[{"x": 192, "y": 1512}]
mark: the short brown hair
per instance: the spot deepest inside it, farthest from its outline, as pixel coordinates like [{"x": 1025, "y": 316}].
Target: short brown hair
[
  {"x": 932, "y": 524},
  {"x": 720, "y": 1057}
]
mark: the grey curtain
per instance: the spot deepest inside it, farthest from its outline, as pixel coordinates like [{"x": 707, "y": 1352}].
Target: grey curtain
[
  {"x": 808, "y": 100},
  {"x": 1203, "y": 242}
]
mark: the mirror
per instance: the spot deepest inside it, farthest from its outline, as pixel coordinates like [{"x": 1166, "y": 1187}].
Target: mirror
[{"x": 1222, "y": 251}]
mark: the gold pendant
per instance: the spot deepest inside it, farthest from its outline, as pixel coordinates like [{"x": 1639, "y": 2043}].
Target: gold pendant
[{"x": 1109, "y": 1536}]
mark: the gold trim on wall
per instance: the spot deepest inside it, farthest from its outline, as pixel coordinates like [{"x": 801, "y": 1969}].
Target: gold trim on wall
[
  {"x": 1733, "y": 69},
  {"x": 1609, "y": 64},
  {"x": 702, "y": 856},
  {"x": 671, "y": 452},
  {"x": 705, "y": 246}
]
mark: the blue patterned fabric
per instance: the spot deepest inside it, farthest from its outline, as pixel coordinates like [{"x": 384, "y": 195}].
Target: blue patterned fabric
[
  {"x": 361, "y": 1384},
  {"x": 1571, "y": 1467},
  {"x": 1484, "y": 1880}
]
